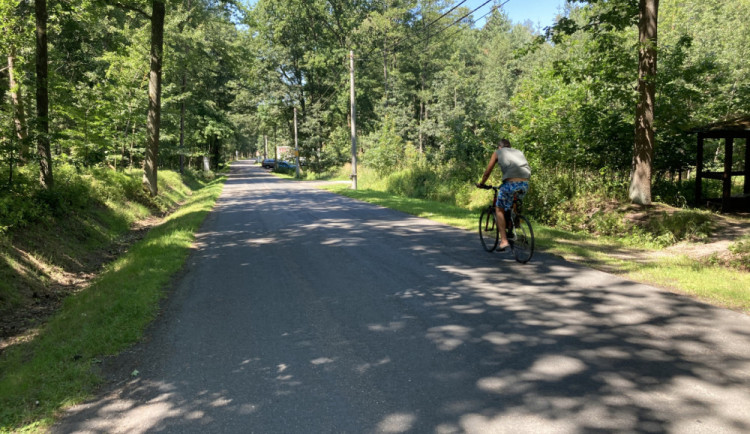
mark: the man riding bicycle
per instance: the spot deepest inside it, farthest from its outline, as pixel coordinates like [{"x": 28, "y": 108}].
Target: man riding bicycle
[{"x": 516, "y": 174}]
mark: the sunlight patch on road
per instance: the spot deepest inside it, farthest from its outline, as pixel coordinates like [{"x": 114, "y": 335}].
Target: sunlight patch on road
[
  {"x": 364, "y": 367},
  {"x": 397, "y": 422},
  {"x": 261, "y": 241},
  {"x": 557, "y": 366},
  {"x": 392, "y": 326},
  {"x": 449, "y": 337}
]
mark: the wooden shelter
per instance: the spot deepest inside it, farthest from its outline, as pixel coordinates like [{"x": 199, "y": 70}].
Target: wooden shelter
[{"x": 729, "y": 130}]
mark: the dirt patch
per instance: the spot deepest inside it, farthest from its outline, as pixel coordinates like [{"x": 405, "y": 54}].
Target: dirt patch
[
  {"x": 22, "y": 323},
  {"x": 727, "y": 229},
  {"x": 641, "y": 215}
]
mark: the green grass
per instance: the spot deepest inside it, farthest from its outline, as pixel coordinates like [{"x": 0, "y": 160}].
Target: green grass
[
  {"x": 711, "y": 283},
  {"x": 57, "y": 368}
]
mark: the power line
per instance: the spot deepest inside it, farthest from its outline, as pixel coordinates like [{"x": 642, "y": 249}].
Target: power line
[
  {"x": 399, "y": 41},
  {"x": 458, "y": 20},
  {"x": 331, "y": 92},
  {"x": 480, "y": 18},
  {"x": 431, "y": 22},
  {"x": 441, "y": 16},
  {"x": 427, "y": 37}
]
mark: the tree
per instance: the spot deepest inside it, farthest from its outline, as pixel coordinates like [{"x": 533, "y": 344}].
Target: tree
[
  {"x": 619, "y": 14},
  {"x": 13, "y": 30},
  {"x": 150, "y": 165},
  {"x": 153, "y": 123},
  {"x": 643, "y": 152},
  {"x": 42, "y": 96}
]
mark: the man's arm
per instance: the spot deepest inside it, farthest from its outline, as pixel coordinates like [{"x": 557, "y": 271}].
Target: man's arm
[{"x": 490, "y": 166}]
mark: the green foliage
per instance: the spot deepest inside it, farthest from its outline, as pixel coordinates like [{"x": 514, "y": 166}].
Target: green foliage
[
  {"x": 555, "y": 192},
  {"x": 670, "y": 228},
  {"x": 741, "y": 253},
  {"x": 385, "y": 150},
  {"x": 27, "y": 203},
  {"x": 418, "y": 182}
]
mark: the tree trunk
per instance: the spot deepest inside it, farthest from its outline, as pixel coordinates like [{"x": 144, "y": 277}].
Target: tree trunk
[
  {"x": 19, "y": 116},
  {"x": 216, "y": 154},
  {"x": 182, "y": 105},
  {"x": 124, "y": 142},
  {"x": 643, "y": 151},
  {"x": 182, "y": 123},
  {"x": 150, "y": 164},
  {"x": 421, "y": 117},
  {"x": 42, "y": 97},
  {"x": 385, "y": 73}
]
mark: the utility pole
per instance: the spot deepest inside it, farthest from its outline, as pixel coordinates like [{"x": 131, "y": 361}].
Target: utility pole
[
  {"x": 354, "y": 121},
  {"x": 296, "y": 145},
  {"x": 182, "y": 124},
  {"x": 265, "y": 147}
]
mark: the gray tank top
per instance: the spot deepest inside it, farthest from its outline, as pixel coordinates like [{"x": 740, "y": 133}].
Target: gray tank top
[{"x": 513, "y": 163}]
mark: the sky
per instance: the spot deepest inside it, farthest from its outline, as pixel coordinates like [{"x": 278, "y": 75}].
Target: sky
[{"x": 541, "y": 13}]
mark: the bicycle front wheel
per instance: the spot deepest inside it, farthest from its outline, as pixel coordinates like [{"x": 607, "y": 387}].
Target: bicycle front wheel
[
  {"x": 488, "y": 233},
  {"x": 523, "y": 240}
]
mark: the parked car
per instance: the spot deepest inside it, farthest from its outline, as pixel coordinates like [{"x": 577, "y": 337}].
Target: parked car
[
  {"x": 268, "y": 163},
  {"x": 286, "y": 165}
]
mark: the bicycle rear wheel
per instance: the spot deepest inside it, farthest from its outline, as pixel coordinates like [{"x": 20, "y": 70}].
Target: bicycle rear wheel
[
  {"x": 488, "y": 233},
  {"x": 523, "y": 240}
]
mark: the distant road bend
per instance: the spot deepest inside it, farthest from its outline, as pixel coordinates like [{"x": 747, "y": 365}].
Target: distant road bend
[{"x": 301, "y": 311}]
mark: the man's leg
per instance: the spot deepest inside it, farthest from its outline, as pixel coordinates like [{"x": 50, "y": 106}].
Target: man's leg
[{"x": 500, "y": 217}]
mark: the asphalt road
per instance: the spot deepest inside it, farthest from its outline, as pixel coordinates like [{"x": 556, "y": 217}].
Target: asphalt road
[{"x": 305, "y": 312}]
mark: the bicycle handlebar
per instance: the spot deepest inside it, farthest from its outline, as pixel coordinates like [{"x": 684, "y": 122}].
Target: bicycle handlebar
[{"x": 486, "y": 187}]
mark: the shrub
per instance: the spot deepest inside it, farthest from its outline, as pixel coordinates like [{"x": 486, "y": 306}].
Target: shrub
[
  {"x": 741, "y": 253},
  {"x": 385, "y": 153},
  {"x": 418, "y": 182},
  {"x": 679, "y": 193},
  {"x": 682, "y": 225},
  {"x": 553, "y": 189},
  {"x": 26, "y": 202}
]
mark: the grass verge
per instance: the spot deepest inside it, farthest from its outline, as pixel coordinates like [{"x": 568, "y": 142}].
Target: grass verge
[
  {"x": 707, "y": 282},
  {"x": 57, "y": 368}
]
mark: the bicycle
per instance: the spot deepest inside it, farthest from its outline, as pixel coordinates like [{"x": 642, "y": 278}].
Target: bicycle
[{"x": 518, "y": 228}]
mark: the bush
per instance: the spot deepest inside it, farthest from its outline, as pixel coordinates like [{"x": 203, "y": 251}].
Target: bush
[
  {"x": 26, "y": 202},
  {"x": 679, "y": 226},
  {"x": 557, "y": 194},
  {"x": 674, "y": 193},
  {"x": 741, "y": 253},
  {"x": 385, "y": 153},
  {"x": 418, "y": 182}
]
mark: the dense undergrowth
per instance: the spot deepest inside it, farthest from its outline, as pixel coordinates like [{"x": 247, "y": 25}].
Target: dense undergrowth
[{"x": 48, "y": 236}]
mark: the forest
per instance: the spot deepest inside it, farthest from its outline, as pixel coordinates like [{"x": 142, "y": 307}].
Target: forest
[{"x": 141, "y": 86}]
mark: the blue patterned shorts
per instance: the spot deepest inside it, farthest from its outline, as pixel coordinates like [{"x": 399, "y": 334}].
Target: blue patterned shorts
[{"x": 506, "y": 192}]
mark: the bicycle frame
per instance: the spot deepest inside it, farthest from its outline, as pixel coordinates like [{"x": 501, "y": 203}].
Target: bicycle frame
[
  {"x": 518, "y": 229},
  {"x": 512, "y": 214}
]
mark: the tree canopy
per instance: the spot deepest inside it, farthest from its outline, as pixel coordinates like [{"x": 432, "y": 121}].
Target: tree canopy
[{"x": 431, "y": 82}]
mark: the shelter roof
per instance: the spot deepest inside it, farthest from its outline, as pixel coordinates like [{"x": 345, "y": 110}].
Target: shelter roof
[{"x": 736, "y": 124}]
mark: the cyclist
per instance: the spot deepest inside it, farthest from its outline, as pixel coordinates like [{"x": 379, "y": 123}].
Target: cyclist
[{"x": 516, "y": 174}]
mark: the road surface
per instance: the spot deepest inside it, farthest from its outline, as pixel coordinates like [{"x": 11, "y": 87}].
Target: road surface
[{"x": 305, "y": 312}]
